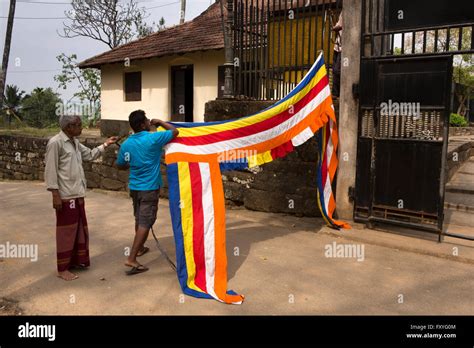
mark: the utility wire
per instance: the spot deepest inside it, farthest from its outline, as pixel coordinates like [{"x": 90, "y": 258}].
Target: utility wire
[
  {"x": 26, "y": 2},
  {"x": 44, "y": 2},
  {"x": 37, "y": 17},
  {"x": 31, "y": 71},
  {"x": 171, "y": 3}
]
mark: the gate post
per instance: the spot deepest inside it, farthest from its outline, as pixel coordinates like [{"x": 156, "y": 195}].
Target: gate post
[
  {"x": 348, "y": 106},
  {"x": 229, "y": 50}
]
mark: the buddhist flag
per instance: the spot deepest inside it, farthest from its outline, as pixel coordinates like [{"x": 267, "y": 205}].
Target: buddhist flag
[{"x": 197, "y": 156}]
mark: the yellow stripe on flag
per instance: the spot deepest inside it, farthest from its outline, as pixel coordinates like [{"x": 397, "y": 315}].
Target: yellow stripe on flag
[
  {"x": 186, "y": 205},
  {"x": 259, "y": 159}
]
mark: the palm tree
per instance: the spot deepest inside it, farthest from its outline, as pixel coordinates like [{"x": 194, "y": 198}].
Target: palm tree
[{"x": 12, "y": 102}]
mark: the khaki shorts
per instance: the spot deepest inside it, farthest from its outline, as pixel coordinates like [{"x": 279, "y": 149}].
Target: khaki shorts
[{"x": 145, "y": 207}]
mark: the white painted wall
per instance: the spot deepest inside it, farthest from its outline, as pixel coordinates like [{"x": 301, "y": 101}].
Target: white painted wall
[{"x": 156, "y": 96}]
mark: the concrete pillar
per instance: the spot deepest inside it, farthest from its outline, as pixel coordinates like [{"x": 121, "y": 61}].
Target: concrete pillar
[{"x": 348, "y": 106}]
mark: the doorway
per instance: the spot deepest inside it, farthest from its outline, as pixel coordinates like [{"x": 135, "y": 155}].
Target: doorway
[{"x": 182, "y": 89}]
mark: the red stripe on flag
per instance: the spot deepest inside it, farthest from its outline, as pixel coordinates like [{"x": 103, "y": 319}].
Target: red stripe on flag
[
  {"x": 324, "y": 167},
  {"x": 198, "y": 226},
  {"x": 257, "y": 127},
  {"x": 282, "y": 150}
]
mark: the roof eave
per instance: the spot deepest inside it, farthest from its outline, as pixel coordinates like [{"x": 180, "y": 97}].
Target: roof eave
[{"x": 85, "y": 65}]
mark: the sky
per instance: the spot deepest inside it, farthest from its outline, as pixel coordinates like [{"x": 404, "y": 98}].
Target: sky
[{"x": 36, "y": 43}]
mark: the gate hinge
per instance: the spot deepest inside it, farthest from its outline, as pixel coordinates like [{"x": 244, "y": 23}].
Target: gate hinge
[
  {"x": 355, "y": 90},
  {"x": 351, "y": 193}
]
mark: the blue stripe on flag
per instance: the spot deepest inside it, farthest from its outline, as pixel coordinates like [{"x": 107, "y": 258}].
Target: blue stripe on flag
[{"x": 175, "y": 210}]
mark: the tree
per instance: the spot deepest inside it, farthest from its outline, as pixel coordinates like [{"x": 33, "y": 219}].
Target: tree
[
  {"x": 39, "y": 108},
  {"x": 12, "y": 102},
  {"x": 144, "y": 29},
  {"x": 463, "y": 76},
  {"x": 463, "y": 64},
  {"x": 108, "y": 21},
  {"x": 88, "y": 80}
]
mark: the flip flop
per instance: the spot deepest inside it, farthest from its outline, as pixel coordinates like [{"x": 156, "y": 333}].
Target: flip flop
[
  {"x": 143, "y": 251},
  {"x": 136, "y": 270}
]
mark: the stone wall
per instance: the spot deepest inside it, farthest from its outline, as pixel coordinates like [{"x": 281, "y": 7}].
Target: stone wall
[
  {"x": 458, "y": 153},
  {"x": 22, "y": 158},
  {"x": 221, "y": 109},
  {"x": 109, "y": 128},
  {"x": 286, "y": 185}
]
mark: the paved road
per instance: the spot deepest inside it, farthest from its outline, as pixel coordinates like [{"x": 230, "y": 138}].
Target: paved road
[{"x": 281, "y": 266}]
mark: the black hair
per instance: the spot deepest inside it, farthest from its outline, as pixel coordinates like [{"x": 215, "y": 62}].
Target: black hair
[{"x": 136, "y": 119}]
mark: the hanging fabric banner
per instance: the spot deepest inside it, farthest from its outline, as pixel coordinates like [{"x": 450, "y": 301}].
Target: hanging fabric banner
[{"x": 197, "y": 156}]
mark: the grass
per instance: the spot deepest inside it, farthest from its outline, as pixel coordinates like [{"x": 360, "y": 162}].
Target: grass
[
  {"x": 36, "y": 132},
  {"x": 43, "y": 132}
]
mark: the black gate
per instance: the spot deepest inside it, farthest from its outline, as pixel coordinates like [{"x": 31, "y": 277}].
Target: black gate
[
  {"x": 404, "y": 107},
  {"x": 276, "y": 42},
  {"x": 403, "y": 122}
]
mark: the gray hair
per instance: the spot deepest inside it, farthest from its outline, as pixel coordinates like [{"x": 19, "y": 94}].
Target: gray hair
[{"x": 66, "y": 120}]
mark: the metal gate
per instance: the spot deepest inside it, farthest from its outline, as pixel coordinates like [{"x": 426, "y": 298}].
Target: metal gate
[
  {"x": 404, "y": 107},
  {"x": 276, "y": 42}
]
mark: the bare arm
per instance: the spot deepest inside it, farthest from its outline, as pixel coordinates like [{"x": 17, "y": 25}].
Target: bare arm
[
  {"x": 89, "y": 155},
  {"x": 165, "y": 125},
  {"x": 338, "y": 26}
]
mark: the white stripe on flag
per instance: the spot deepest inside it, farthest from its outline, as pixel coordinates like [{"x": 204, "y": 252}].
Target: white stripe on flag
[
  {"x": 302, "y": 137},
  {"x": 252, "y": 139},
  {"x": 208, "y": 215}
]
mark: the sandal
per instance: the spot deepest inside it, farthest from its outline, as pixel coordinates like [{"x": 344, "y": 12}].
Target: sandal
[{"x": 136, "y": 270}]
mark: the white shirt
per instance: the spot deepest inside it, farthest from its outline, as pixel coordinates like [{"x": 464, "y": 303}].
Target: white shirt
[{"x": 63, "y": 170}]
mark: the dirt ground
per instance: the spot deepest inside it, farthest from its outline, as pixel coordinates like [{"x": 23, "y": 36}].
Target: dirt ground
[{"x": 280, "y": 263}]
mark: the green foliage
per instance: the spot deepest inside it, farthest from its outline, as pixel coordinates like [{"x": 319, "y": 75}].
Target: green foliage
[
  {"x": 457, "y": 120},
  {"x": 89, "y": 85},
  {"x": 143, "y": 29},
  {"x": 13, "y": 97},
  {"x": 36, "y": 132},
  {"x": 11, "y": 104},
  {"x": 39, "y": 108}
]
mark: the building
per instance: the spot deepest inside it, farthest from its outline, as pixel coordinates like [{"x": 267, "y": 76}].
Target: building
[{"x": 170, "y": 74}]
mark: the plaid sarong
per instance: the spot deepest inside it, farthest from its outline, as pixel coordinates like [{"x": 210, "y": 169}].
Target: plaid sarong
[{"x": 72, "y": 236}]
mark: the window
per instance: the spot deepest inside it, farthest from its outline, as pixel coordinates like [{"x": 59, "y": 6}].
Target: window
[{"x": 133, "y": 86}]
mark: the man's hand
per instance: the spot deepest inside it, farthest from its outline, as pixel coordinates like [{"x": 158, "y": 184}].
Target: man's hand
[
  {"x": 57, "y": 202},
  {"x": 110, "y": 141},
  {"x": 156, "y": 122},
  {"x": 165, "y": 125}
]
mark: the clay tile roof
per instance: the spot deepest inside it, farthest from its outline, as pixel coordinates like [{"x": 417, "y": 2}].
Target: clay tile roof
[{"x": 202, "y": 33}]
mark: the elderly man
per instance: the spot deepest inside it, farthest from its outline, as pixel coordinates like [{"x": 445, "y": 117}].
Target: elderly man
[{"x": 64, "y": 177}]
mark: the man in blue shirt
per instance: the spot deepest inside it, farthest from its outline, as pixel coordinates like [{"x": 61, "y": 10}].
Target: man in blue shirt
[{"x": 141, "y": 152}]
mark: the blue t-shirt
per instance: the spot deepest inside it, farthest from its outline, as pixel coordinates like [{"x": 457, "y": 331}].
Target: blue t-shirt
[{"x": 142, "y": 151}]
